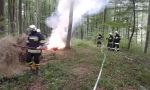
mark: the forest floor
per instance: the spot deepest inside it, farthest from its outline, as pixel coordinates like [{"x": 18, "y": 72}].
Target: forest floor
[{"x": 78, "y": 68}]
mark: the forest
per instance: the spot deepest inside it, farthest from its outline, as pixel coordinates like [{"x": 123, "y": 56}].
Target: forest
[{"x": 77, "y": 52}]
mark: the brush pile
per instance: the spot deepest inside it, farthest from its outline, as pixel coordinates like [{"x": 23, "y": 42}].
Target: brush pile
[{"x": 10, "y": 55}]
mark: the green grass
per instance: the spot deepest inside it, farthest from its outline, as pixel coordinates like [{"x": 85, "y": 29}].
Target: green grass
[
  {"x": 17, "y": 82},
  {"x": 55, "y": 76},
  {"x": 122, "y": 70}
]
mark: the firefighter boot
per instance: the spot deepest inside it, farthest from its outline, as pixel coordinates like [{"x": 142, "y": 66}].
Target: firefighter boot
[
  {"x": 37, "y": 69},
  {"x": 33, "y": 66}
]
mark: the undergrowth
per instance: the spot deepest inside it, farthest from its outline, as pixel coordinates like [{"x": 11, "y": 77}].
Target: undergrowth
[{"x": 122, "y": 70}]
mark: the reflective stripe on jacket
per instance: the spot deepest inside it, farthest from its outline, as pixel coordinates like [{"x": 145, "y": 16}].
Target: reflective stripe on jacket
[
  {"x": 34, "y": 51},
  {"x": 117, "y": 43}
]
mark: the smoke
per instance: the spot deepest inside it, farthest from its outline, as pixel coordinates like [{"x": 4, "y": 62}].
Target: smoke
[{"x": 59, "y": 20}]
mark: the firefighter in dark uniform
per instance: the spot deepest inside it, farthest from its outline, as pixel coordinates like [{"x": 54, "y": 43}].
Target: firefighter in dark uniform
[
  {"x": 110, "y": 41},
  {"x": 99, "y": 40},
  {"x": 35, "y": 42},
  {"x": 116, "y": 41}
]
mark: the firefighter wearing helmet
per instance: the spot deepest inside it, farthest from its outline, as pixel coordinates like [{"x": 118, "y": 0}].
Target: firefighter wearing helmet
[
  {"x": 116, "y": 41},
  {"x": 110, "y": 41},
  {"x": 30, "y": 29},
  {"x": 35, "y": 41},
  {"x": 99, "y": 40}
]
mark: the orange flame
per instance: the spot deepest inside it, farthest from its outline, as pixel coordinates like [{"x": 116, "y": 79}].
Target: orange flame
[
  {"x": 56, "y": 46},
  {"x": 56, "y": 42},
  {"x": 58, "y": 37}
]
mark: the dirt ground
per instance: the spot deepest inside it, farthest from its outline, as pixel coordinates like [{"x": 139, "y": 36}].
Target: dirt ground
[{"x": 37, "y": 85}]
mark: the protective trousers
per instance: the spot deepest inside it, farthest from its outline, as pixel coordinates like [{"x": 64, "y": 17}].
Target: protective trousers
[
  {"x": 33, "y": 57},
  {"x": 116, "y": 46}
]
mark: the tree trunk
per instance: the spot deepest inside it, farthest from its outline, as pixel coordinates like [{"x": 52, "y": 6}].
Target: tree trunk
[
  {"x": 11, "y": 8},
  {"x": 2, "y": 15},
  {"x": 69, "y": 27},
  {"x": 87, "y": 25},
  {"x": 20, "y": 17},
  {"x": 37, "y": 13},
  {"x": 82, "y": 33},
  {"x": 114, "y": 17},
  {"x": 137, "y": 28},
  {"x": 142, "y": 28},
  {"x": 104, "y": 20},
  {"x": 148, "y": 31},
  {"x": 133, "y": 28}
]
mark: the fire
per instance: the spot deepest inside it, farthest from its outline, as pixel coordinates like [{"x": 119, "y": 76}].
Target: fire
[
  {"x": 56, "y": 40},
  {"x": 59, "y": 20},
  {"x": 55, "y": 43},
  {"x": 56, "y": 46},
  {"x": 58, "y": 37}
]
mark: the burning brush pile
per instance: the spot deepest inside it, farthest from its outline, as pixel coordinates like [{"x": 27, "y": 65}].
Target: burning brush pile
[{"x": 10, "y": 55}]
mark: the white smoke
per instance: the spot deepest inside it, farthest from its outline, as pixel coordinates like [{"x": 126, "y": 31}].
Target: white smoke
[{"x": 59, "y": 20}]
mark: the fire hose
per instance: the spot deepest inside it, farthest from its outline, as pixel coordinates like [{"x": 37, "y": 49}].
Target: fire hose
[
  {"x": 101, "y": 69},
  {"x": 27, "y": 47}
]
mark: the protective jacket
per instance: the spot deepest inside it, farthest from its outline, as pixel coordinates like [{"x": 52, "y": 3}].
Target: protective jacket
[
  {"x": 117, "y": 38},
  {"x": 110, "y": 39},
  {"x": 35, "y": 40},
  {"x": 99, "y": 39}
]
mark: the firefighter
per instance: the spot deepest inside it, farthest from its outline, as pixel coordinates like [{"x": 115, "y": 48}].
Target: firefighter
[
  {"x": 110, "y": 41},
  {"x": 35, "y": 42},
  {"x": 99, "y": 40},
  {"x": 116, "y": 41}
]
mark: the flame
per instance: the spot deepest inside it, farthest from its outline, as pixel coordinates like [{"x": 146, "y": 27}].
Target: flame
[
  {"x": 57, "y": 39},
  {"x": 56, "y": 46},
  {"x": 55, "y": 43}
]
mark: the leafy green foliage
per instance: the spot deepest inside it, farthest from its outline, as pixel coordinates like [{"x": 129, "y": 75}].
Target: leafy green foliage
[{"x": 116, "y": 24}]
